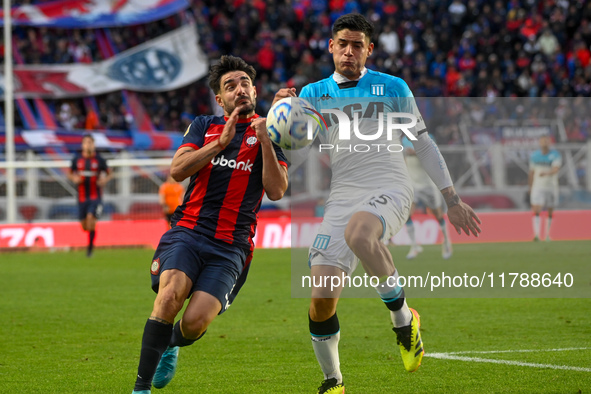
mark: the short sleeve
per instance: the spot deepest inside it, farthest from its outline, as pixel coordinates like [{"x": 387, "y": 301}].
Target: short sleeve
[
  {"x": 195, "y": 133},
  {"x": 280, "y": 155}
]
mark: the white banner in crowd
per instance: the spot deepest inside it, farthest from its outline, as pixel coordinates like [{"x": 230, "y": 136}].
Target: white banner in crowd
[{"x": 168, "y": 62}]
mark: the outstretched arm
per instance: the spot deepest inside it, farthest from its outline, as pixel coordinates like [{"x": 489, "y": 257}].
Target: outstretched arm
[{"x": 460, "y": 214}]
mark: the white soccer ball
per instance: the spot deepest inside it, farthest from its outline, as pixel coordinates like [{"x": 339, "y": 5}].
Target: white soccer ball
[{"x": 288, "y": 122}]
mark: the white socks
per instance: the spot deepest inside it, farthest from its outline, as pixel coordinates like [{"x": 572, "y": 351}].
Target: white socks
[
  {"x": 327, "y": 354},
  {"x": 536, "y": 224},
  {"x": 392, "y": 295},
  {"x": 401, "y": 317}
]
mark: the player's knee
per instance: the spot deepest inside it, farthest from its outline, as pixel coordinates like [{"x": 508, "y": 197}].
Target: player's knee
[
  {"x": 193, "y": 327},
  {"x": 353, "y": 235},
  {"x": 168, "y": 302},
  {"x": 359, "y": 240},
  {"x": 322, "y": 309}
]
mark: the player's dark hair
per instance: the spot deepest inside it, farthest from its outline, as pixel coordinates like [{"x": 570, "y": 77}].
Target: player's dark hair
[
  {"x": 228, "y": 64},
  {"x": 87, "y": 135},
  {"x": 353, "y": 22}
]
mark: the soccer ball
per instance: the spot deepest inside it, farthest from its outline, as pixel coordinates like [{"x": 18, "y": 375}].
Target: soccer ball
[{"x": 288, "y": 121}]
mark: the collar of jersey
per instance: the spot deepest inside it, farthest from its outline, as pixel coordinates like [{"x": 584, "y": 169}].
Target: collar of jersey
[
  {"x": 246, "y": 120},
  {"x": 338, "y": 78}
]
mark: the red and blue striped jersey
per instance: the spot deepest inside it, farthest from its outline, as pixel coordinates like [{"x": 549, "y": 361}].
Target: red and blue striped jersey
[
  {"x": 89, "y": 169},
  {"x": 224, "y": 197}
]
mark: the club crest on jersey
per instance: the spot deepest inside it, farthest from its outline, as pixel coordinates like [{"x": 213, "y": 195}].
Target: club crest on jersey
[
  {"x": 155, "y": 267},
  {"x": 378, "y": 89},
  {"x": 250, "y": 140}
]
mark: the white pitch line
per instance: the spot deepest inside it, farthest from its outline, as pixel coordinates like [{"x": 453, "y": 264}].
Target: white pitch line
[
  {"x": 447, "y": 356},
  {"x": 518, "y": 351}
]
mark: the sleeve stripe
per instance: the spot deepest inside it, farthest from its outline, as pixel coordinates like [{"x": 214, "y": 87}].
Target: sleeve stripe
[
  {"x": 189, "y": 145},
  {"x": 283, "y": 163}
]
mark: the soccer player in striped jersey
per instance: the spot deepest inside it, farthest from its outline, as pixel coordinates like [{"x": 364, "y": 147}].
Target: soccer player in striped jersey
[
  {"x": 89, "y": 171},
  {"x": 371, "y": 192},
  {"x": 206, "y": 254},
  {"x": 544, "y": 165}
]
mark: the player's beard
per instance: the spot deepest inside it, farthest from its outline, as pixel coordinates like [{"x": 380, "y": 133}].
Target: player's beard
[{"x": 247, "y": 109}]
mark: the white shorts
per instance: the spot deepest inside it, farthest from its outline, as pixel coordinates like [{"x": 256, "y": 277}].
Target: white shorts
[
  {"x": 392, "y": 207},
  {"x": 429, "y": 196},
  {"x": 547, "y": 198}
]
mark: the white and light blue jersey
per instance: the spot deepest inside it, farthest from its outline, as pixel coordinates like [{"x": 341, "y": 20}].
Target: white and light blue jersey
[
  {"x": 369, "y": 156},
  {"x": 540, "y": 162}
]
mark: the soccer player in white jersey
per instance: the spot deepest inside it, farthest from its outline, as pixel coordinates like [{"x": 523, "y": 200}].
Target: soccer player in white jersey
[
  {"x": 544, "y": 165},
  {"x": 426, "y": 193},
  {"x": 370, "y": 196}
]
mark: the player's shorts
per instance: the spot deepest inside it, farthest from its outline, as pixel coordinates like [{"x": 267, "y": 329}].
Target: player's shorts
[
  {"x": 213, "y": 266},
  {"x": 428, "y": 196},
  {"x": 94, "y": 207},
  {"x": 392, "y": 207},
  {"x": 547, "y": 198}
]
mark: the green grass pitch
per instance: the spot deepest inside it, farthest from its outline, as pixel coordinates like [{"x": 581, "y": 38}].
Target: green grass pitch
[{"x": 73, "y": 325}]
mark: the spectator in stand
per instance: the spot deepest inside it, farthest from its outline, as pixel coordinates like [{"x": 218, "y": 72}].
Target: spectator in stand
[
  {"x": 66, "y": 117},
  {"x": 389, "y": 41},
  {"x": 438, "y": 47},
  {"x": 548, "y": 43},
  {"x": 92, "y": 121}
]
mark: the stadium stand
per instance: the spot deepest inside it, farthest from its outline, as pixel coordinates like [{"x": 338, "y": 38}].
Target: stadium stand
[{"x": 441, "y": 48}]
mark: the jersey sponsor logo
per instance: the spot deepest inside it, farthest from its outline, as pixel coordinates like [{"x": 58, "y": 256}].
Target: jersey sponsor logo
[
  {"x": 223, "y": 162},
  {"x": 378, "y": 89},
  {"x": 250, "y": 141},
  {"x": 155, "y": 267}
]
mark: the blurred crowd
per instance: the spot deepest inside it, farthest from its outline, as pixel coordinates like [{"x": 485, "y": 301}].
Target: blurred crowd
[{"x": 473, "y": 48}]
